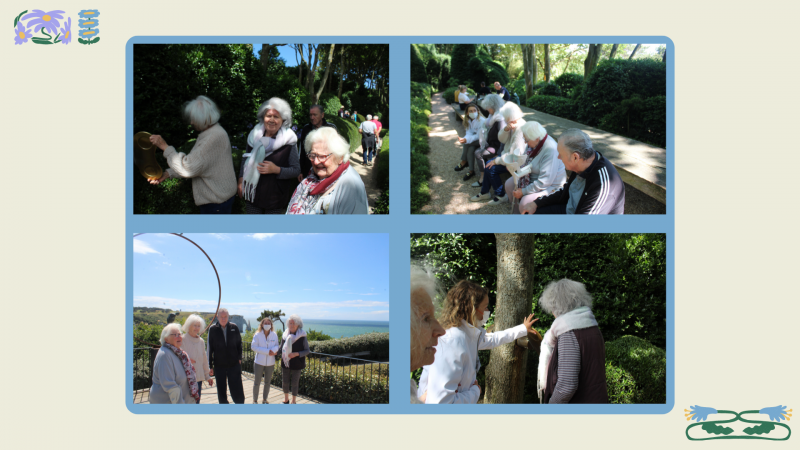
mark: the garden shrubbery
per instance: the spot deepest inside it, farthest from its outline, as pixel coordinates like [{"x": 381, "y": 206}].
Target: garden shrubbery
[
  {"x": 568, "y": 82},
  {"x": 636, "y": 371},
  {"x": 333, "y": 383},
  {"x": 375, "y": 343},
  {"x": 557, "y": 106},
  {"x": 641, "y": 119},
  {"x": 348, "y": 129},
  {"x": 420, "y": 166},
  {"x": 449, "y": 94}
]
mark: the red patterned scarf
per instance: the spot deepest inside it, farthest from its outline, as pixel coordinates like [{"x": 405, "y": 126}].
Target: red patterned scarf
[
  {"x": 310, "y": 190},
  {"x": 191, "y": 378}
]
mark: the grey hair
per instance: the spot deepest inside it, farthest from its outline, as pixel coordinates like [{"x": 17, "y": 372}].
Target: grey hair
[
  {"x": 225, "y": 310},
  {"x": 369, "y": 116},
  {"x": 510, "y": 111},
  {"x": 421, "y": 278},
  {"x": 191, "y": 320},
  {"x": 577, "y": 142},
  {"x": 333, "y": 141},
  {"x": 493, "y": 101},
  {"x": 280, "y": 105},
  {"x": 201, "y": 112},
  {"x": 376, "y": 117},
  {"x": 321, "y": 111},
  {"x": 166, "y": 331},
  {"x": 533, "y": 130},
  {"x": 562, "y": 296},
  {"x": 297, "y": 320}
]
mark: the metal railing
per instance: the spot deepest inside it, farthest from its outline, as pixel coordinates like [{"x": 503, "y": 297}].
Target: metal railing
[{"x": 143, "y": 358}]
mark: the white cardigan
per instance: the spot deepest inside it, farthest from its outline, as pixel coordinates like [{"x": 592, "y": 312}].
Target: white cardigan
[
  {"x": 262, "y": 345},
  {"x": 456, "y": 362}
]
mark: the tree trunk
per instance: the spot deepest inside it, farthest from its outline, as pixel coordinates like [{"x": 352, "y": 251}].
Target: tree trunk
[
  {"x": 664, "y": 57},
  {"x": 528, "y": 63},
  {"x": 534, "y": 67},
  {"x": 266, "y": 49},
  {"x": 505, "y": 375},
  {"x": 613, "y": 51},
  {"x": 344, "y": 69},
  {"x": 312, "y": 69},
  {"x": 547, "y": 62},
  {"x": 325, "y": 77},
  {"x": 592, "y": 58},
  {"x": 634, "y": 51}
]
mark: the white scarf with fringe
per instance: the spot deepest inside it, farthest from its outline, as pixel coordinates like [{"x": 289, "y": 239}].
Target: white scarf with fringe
[
  {"x": 288, "y": 340},
  {"x": 263, "y": 146}
]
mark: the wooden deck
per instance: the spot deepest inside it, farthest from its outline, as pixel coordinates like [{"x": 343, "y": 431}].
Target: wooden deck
[{"x": 209, "y": 394}]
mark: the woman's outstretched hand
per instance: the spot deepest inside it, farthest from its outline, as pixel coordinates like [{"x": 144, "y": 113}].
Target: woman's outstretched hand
[
  {"x": 164, "y": 176},
  {"x": 158, "y": 141},
  {"x": 528, "y": 322}
]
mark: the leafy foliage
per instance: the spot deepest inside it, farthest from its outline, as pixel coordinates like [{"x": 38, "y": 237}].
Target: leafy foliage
[
  {"x": 636, "y": 371},
  {"x": 551, "y": 89},
  {"x": 557, "y": 106},
  {"x": 381, "y": 171},
  {"x": 348, "y": 129},
  {"x": 375, "y": 343},
  {"x": 641, "y": 119},
  {"x": 459, "y": 63},
  {"x": 420, "y": 166},
  {"x": 333, "y": 383},
  {"x": 568, "y": 81},
  {"x": 418, "y": 72},
  {"x": 331, "y": 104}
]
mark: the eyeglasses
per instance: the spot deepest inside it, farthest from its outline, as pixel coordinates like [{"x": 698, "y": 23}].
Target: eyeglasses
[
  {"x": 320, "y": 158},
  {"x": 175, "y": 335}
]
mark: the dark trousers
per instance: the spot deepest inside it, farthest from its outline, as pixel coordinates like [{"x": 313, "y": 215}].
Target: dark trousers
[
  {"x": 218, "y": 208},
  {"x": 493, "y": 176},
  {"x": 233, "y": 375},
  {"x": 553, "y": 209},
  {"x": 368, "y": 147}
]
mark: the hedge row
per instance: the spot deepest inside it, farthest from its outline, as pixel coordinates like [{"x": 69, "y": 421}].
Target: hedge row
[
  {"x": 449, "y": 94},
  {"x": 375, "y": 343},
  {"x": 420, "y": 166},
  {"x": 636, "y": 371},
  {"x": 333, "y": 383}
]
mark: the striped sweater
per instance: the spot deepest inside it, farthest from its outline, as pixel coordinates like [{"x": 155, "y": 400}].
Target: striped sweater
[{"x": 596, "y": 190}]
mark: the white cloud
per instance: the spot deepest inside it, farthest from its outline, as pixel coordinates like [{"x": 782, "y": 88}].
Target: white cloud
[
  {"x": 335, "y": 284},
  {"x": 332, "y": 310},
  {"x": 282, "y": 291},
  {"x": 166, "y": 263},
  {"x": 369, "y": 294},
  {"x": 220, "y": 236},
  {"x": 143, "y": 248},
  {"x": 267, "y": 293},
  {"x": 261, "y": 236}
]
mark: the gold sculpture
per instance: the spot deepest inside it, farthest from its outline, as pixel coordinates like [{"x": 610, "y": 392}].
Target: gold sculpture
[{"x": 144, "y": 156}]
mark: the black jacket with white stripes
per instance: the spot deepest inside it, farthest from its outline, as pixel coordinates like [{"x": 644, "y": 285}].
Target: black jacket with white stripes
[{"x": 604, "y": 192}]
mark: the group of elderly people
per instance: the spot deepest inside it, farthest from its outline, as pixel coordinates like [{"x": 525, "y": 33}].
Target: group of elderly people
[
  {"x": 183, "y": 362},
  {"x": 571, "y": 357},
  {"x": 505, "y": 143},
  {"x": 272, "y": 166}
]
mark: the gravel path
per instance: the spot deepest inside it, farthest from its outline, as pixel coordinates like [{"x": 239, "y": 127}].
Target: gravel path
[
  {"x": 357, "y": 162},
  {"x": 449, "y": 192}
]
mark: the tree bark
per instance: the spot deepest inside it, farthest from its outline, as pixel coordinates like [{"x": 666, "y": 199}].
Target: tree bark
[
  {"x": 265, "y": 51},
  {"x": 613, "y": 51},
  {"x": 325, "y": 76},
  {"x": 505, "y": 375},
  {"x": 634, "y": 51},
  {"x": 592, "y": 58},
  {"x": 529, "y": 64},
  {"x": 547, "y": 62},
  {"x": 344, "y": 69},
  {"x": 312, "y": 69}
]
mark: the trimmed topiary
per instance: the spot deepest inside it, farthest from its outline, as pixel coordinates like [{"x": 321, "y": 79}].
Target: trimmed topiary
[
  {"x": 331, "y": 104},
  {"x": 417, "y": 66},
  {"x": 551, "y": 89},
  {"x": 641, "y": 119},
  {"x": 459, "y": 63},
  {"x": 636, "y": 371},
  {"x": 567, "y": 82}
]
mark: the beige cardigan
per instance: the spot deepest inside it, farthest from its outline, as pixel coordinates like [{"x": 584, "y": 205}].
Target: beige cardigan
[
  {"x": 209, "y": 165},
  {"x": 196, "y": 349}
]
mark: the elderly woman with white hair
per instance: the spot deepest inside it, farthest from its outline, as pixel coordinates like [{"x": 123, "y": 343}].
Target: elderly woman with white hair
[
  {"x": 174, "y": 379},
  {"x": 490, "y": 132},
  {"x": 573, "y": 357},
  {"x": 195, "y": 347},
  {"x": 513, "y": 151},
  {"x": 293, "y": 352},
  {"x": 425, "y": 329},
  {"x": 543, "y": 173},
  {"x": 332, "y": 187},
  {"x": 271, "y": 164},
  {"x": 209, "y": 162}
]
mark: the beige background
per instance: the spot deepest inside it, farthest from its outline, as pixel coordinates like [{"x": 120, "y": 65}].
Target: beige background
[{"x": 63, "y": 252}]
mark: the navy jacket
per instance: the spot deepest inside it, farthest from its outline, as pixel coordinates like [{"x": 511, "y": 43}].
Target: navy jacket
[{"x": 604, "y": 192}]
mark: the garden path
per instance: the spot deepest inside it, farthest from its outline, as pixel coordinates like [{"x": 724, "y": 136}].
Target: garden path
[{"x": 356, "y": 161}]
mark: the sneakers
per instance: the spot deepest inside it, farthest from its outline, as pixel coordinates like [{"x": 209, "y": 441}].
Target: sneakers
[
  {"x": 459, "y": 168},
  {"x": 480, "y": 197},
  {"x": 477, "y": 184},
  {"x": 498, "y": 200}
]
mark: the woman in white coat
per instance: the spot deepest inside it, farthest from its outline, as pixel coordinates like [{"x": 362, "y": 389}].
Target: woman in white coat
[
  {"x": 452, "y": 378},
  {"x": 265, "y": 344},
  {"x": 543, "y": 173}
]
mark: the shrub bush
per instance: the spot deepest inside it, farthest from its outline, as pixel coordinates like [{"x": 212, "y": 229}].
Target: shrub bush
[
  {"x": 381, "y": 172},
  {"x": 418, "y": 72},
  {"x": 641, "y": 119},
  {"x": 375, "y": 343},
  {"x": 420, "y": 166},
  {"x": 348, "y": 129},
  {"x": 483, "y": 68},
  {"x": 459, "y": 62},
  {"x": 449, "y": 94},
  {"x": 567, "y": 82},
  {"x": 617, "y": 80},
  {"x": 331, "y": 104},
  {"x": 636, "y": 371},
  {"x": 333, "y": 383},
  {"x": 420, "y": 173},
  {"x": 551, "y": 89},
  {"x": 382, "y": 203},
  {"x": 557, "y": 106}
]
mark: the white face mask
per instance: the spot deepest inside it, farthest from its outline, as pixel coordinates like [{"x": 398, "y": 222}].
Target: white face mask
[
  {"x": 485, "y": 319},
  {"x": 267, "y": 328},
  {"x": 473, "y": 115}
]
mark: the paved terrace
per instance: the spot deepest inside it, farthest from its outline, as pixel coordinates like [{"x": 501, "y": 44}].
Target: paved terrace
[
  {"x": 640, "y": 165},
  {"x": 209, "y": 395}
]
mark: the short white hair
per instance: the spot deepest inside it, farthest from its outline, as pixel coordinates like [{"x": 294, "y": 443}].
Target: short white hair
[
  {"x": 334, "y": 143},
  {"x": 533, "y": 130},
  {"x": 280, "y": 105},
  {"x": 201, "y": 112},
  {"x": 221, "y": 310},
  {"x": 369, "y": 116},
  {"x": 421, "y": 278},
  {"x": 492, "y": 101},
  {"x": 168, "y": 330},
  {"x": 510, "y": 111},
  {"x": 376, "y": 117},
  {"x": 562, "y": 296},
  {"x": 191, "y": 320},
  {"x": 297, "y": 320}
]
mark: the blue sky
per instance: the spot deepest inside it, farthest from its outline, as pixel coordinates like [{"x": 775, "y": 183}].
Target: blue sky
[
  {"x": 318, "y": 276},
  {"x": 287, "y": 53}
]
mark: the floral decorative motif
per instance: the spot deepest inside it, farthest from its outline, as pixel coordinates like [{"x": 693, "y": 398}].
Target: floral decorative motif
[
  {"x": 47, "y": 20},
  {"x": 760, "y": 429},
  {"x": 89, "y": 33},
  {"x": 89, "y": 13},
  {"x": 88, "y": 23},
  {"x": 699, "y": 413},
  {"x": 776, "y": 413},
  {"x": 66, "y": 32},
  {"x": 21, "y": 34}
]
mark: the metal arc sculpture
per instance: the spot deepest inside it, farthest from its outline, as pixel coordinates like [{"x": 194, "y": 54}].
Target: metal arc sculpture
[{"x": 219, "y": 284}]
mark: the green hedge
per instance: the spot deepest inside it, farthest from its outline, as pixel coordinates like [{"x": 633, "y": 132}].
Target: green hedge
[
  {"x": 449, "y": 94},
  {"x": 418, "y": 72},
  {"x": 459, "y": 62},
  {"x": 551, "y": 89},
  {"x": 348, "y": 129},
  {"x": 567, "y": 82},
  {"x": 557, "y": 106},
  {"x": 332, "y": 383},
  {"x": 331, "y": 104},
  {"x": 616, "y": 80},
  {"x": 636, "y": 371},
  {"x": 380, "y": 173},
  {"x": 376, "y": 343},
  {"x": 641, "y": 119},
  {"x": 420, "y": 166}
]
